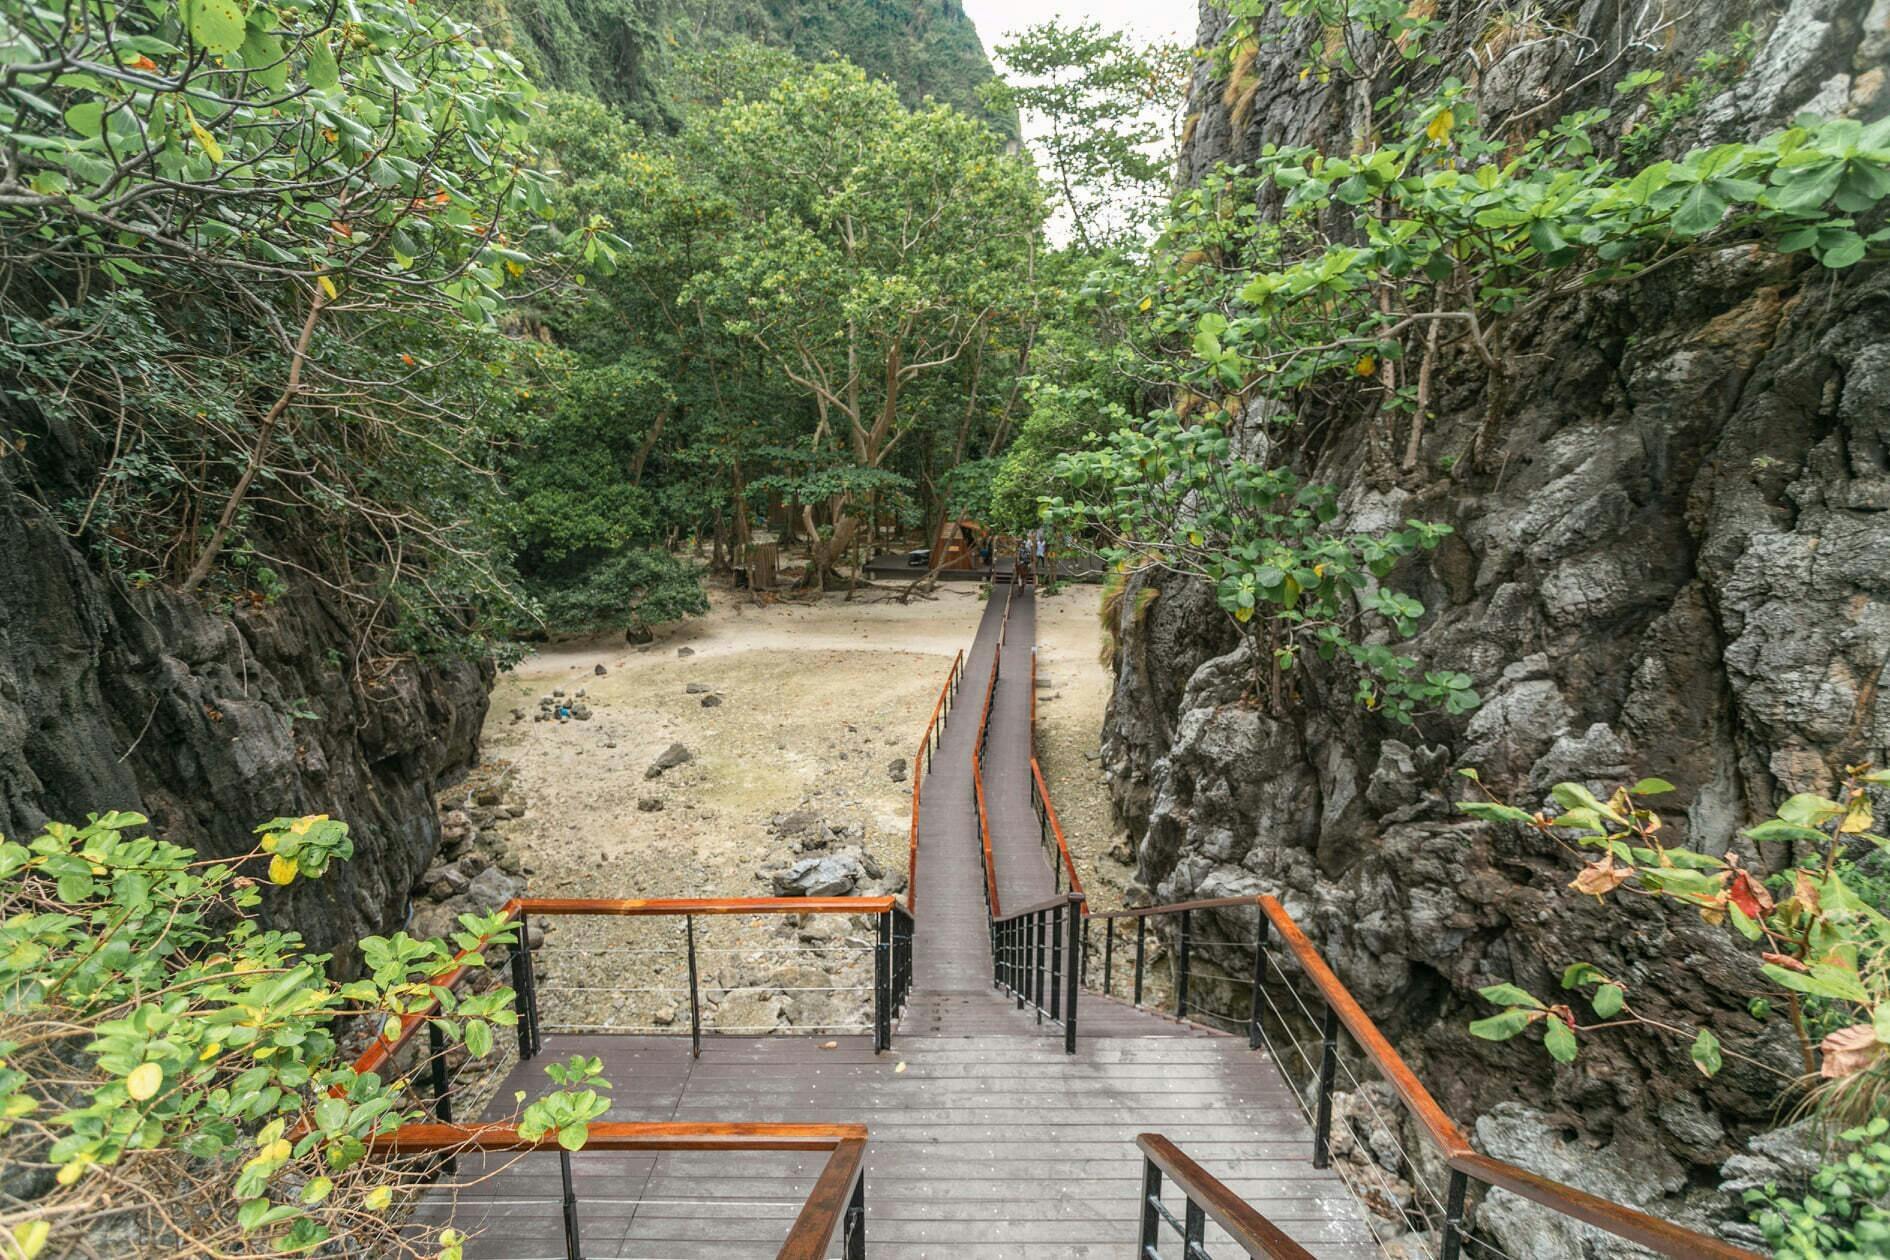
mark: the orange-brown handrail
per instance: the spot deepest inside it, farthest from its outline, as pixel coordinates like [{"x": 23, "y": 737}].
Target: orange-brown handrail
[
  {"x": 837, "y": 1190},
  {"x": 1251, "y": 1231},
  {"x": 515, "y": 911},
  {"x": 1043, "y": 790},
  {"x": 977, "y": 775},
  {"x": 1662, "y": 1237},
  {"x": 918, "y": 776}
]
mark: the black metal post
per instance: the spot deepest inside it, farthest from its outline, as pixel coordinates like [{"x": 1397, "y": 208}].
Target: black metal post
[
  {"x": 1036, "y": 972},
  {"x": 1084, "y": 953},
  {"x": 1151, "y": 1209},
  {"x": 695, "y": 998},
  {"x": 572, "y": 1246},
  {"x": 1000, "y": 956},
  {"x": 1194, "y": 1234},
  {"x": 1259, "y": 978},
  {"x": 1181, "y": 967},
  {"x": 1021, "y": 927},
  {"x": 1109, "y": 955},
  {"x": 854, "y": 1245},
  {"x": 531, "y": 991},
  {"x": 436, "y": 1062},
  {"x": 1328, "y": 1063},
  {"x": 882, "y": 985},
  {"x": 1141, "y": 953},
  {"x": 1077, "y": 923},
  {"x": 1057, "y": 963},
  {"x": 522, "y": 997},
  {"x": 1453, "y": 1215}
]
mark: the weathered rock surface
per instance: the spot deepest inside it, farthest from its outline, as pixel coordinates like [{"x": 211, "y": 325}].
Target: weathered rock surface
[
  {"x": 1674, "y": 566},
  {"x": 671, "y": 757},
  {"x": 139, "y": 699}
]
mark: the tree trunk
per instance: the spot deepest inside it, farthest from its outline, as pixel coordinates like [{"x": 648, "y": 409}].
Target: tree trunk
[{"x": 201, "y": 570}]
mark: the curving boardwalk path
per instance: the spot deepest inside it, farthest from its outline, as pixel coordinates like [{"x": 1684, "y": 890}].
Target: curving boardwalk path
[{"x": 986, "y": 1140}]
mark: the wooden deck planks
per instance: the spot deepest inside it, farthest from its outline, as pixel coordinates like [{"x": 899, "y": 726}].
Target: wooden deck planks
[{"x": 986, "y": 1140}]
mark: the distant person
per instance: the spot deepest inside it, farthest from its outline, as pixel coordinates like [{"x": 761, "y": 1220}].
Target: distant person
[
  {"x": 1043, "y": 554},
  {"x": 984, "y": 551},
  {"x": 1023, "y": 554}
]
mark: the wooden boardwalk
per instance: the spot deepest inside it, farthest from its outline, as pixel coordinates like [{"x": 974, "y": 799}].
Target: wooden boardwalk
[{"x": 986, "y": 1139}]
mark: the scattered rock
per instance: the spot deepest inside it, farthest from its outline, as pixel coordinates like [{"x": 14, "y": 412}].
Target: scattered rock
[
  {"x": 831, "y": 876},
  {"x": 581, "y": 712},
  {"x": 600, "y": 671},
  {"x": 896, "y": 769},
  {"x": 711, "y": 701},
  {"x": 671, "y": 757},
  {"x": 445, "y": 881},
  {"x": 685, "y": 651},
  {"x": 649, "y": 804},
  {"x": 696, "y": 689},
  {"x": 665, "y": 1015}
]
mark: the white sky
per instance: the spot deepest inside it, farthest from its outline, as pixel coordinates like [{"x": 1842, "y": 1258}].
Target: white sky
[{"x": 1147, "y": 19}]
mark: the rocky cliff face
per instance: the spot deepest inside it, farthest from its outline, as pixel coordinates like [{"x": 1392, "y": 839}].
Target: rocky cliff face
[
  {"x": 212, "y": 721},
  {"x": 1676, "y": 566}
]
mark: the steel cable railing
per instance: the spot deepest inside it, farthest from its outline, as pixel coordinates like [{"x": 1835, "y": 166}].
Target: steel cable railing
[{"x": 1279, "y": 943}]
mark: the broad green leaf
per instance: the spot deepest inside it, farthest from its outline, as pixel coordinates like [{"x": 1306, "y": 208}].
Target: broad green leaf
[
  {"x": 216, "y": 26},
  {"x": 1559, "y": 1039},
  {"x": 1608, "y": 1000},
  {"x": 1508, "y": 995},
  {"x": 1705, "y": 1052},
  {"x": 1501, "y": 1027}
]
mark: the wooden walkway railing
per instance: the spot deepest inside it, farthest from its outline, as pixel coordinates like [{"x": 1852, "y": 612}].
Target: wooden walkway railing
[
  {"x": 1207, "y": 1199},
  {"x": 837, "y": 1203},
  {"x": 892, "y": 961},
  {"x": 934, "y": 728},
  {"x": 1343, "y": 1011}
]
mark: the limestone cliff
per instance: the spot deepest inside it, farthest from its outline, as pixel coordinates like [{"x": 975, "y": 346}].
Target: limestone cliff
[
  {"x": 211, "y": 721},
  {"x": 1675, "y": 565}
]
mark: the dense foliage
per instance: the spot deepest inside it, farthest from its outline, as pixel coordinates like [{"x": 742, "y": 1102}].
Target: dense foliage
[{"x": 166, "y": 1057}]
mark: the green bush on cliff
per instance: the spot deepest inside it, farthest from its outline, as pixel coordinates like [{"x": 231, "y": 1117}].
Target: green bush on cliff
[
  {"x": 1818, "y": 952},
  {"x": 166, "y": 1057}
]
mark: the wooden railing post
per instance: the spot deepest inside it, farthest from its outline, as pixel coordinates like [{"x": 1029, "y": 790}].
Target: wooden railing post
[
  {"x": 1328, "y": 1064},
  {"x": 695, "y": 996}
]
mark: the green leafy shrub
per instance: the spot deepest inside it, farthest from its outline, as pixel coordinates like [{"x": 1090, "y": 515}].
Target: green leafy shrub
[
  {"x": 1813, "y": 939},
  {"x": 166, "y": 1057},
  {"x": 1845, "y": 1212}
]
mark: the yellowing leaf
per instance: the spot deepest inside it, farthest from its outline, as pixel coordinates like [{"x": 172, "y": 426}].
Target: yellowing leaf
[
  {"x": 278, "y": 1150},
  {"x": 144, "y": 1081},
  {"x": 1146, "y": 303},
  {"x": 1366, "y": 365},
  {"x": 378, "y": 1198},
  {"x": 30, "y": 1239},
  {"x": 208, "y": 141},
  {"x": 328, "y": 287},
  {"x": 282, "y": 870},
  {"x": 1440, "y": 126}
]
